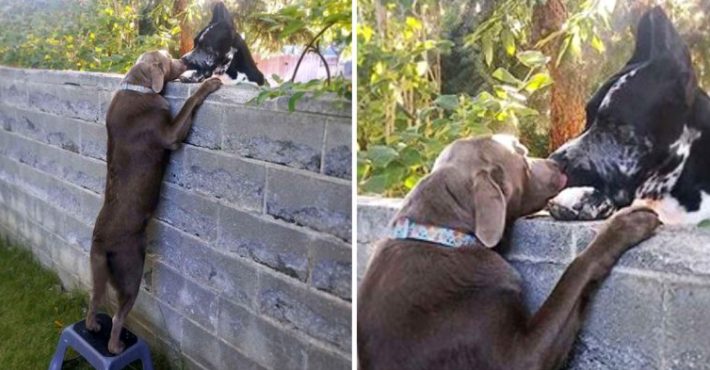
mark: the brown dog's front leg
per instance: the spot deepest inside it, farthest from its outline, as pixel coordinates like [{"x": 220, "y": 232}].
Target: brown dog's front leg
[
  {"x": 176, "y": 133},
  {"x": 552, "y": 330}
]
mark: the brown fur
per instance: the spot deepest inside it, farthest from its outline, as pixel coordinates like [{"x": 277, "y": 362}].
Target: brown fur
[
  {"x": 141, "y": 134},
  {"x": 425, "y": 306}
]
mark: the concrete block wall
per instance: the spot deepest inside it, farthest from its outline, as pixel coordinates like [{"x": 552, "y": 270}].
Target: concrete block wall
[
  {"x": 653, "y": 312},
  {"x": 249, "y": 253}
]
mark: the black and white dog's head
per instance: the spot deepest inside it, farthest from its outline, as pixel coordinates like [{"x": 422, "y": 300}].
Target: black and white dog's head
[
  {"x": 220, "y": 49},
  {"x": 640, "y": 127}
]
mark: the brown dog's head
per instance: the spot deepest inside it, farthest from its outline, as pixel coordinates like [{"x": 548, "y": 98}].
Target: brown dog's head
[
  {"x": 153, "y": 69},
  {"x": 480, "y": 185}
]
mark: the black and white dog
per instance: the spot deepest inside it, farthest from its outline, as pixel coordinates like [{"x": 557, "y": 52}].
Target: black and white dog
[
  {"x": 219, "y": 49},
  {"x": 647, "y": 138}
]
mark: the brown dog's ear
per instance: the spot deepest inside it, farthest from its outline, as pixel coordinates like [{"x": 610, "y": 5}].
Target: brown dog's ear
[
  {"x": 489, "y": 210},
  {"x": 156, "y": 78}
]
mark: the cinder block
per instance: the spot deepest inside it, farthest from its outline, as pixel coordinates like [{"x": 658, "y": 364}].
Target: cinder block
[
  {"x": 176, "y": 173},
  {"x": 162, "y": 319},
  {"x": 687, "y": 328},
  {"x": 189, "y": 298},
  {"x": 9, "y": 169},
  {"x": 332, "y": 266},
  {"x": 291, "y": 303},
  {"x": 309, "y": 201},
  {"x": 238, "y": 181},
  {"x": 373, "y": 217},
  {"x": 677, "y": 250},
  {"x": 323, "y": 359},
  {"x": 324, "y": 105},
  {"x": 200, "y": 345},
  {"x": 363, "y": 258},
  {"x": 75, "y": 232},
  {"x": 338, "y": 149},
  {"x": 294, "y": 140},
  {"x": 538, "y": 280},
  {"x": 85, "y": 172},
  {"x": 88, "y": 80},
  {"x": 94, "y": 139},
  {"x": 175, "y": 89},
  {"x": 104, "y": 102},
  {"x": 8, "y": 117},
  {"x": 271, "y": 346},
  {"x": 279, "y": 247},
  {"x": 206, "y": 129},
  {"x": 188, "y": 212},
  {"x": 623, "y": 328},
  {"x": 541, "y": 239},
  {"x": 57, "y": 131},
  {"x": 13, "y": 92},
  {"x": 65, "y": 100},
  {"x": 240, "y": 94},
  {"x": 231, "y": 358},
  {"x": 228, "y": 275}
]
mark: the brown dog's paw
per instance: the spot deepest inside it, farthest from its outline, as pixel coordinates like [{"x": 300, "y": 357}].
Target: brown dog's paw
[
  {"x": 92, "y": 325},
  {"x": 116, "y": 348},
  {"x": 633, "y": 225},
  {"x": 211, "y": 85}
]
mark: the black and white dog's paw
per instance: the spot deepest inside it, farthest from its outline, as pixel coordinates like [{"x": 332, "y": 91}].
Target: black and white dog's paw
[
  {"x": 580, "y": 203},
  {"x": 191, "y": 76}
]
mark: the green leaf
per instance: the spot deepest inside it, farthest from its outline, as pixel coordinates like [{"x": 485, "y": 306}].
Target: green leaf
[
  {"x": 502, "y": 74},
  {"x": 532, "y": 58},
  {"x": 410, "y": 157},
  {"x": 508, "y": 42},
  {"x": 294, "y": 99},
  {"x": 381, "y": 155},
  {"x": 293, "y": 27},
  {"x": 375, "y": 184},
  {"x": 449, "y": 102},
  {"x": 537, "y": 82},
  {"x": 704, "y": 224},
  {"x": 487, "y": 45}
]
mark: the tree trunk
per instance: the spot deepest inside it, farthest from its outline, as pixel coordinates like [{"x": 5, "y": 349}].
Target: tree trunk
[
  {"x": 186, "y": 30},
  {"x": 567, "y": 100}
]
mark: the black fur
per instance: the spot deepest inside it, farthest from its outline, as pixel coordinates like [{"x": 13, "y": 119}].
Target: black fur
[
  {"x": 219, "y": 49},
  {"x": 631, "y": 138}
]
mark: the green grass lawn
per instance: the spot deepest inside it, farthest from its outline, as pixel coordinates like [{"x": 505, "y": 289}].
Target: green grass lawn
[{"x": 33, "y": 310}]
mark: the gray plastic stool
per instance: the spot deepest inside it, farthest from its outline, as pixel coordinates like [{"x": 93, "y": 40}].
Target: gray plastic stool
[{"x": 94, "y": 347}]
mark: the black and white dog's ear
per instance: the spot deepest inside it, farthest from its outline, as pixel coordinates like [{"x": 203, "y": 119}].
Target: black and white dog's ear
[
  {"x": 656, "y": 38},
  {"x": 221, "y": 14}
]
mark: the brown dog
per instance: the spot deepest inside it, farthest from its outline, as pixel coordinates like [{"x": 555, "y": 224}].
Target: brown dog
[
  {"x": 423, "y": 305},
  {"x": 141, "y": 134}
]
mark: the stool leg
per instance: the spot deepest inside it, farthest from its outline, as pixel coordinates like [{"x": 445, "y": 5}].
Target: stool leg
[
  {"x": 58, "y": 358},
  {"x": 146, "y": 361}
]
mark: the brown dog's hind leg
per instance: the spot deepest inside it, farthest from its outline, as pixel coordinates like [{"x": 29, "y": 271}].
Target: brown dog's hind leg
[
  {"x": 99, "y": 277},
  {"x": 127, "y": 281}
]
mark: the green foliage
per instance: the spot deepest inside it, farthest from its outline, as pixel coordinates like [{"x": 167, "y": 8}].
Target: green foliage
[
  {"x": 310, "y": 23},
  {"x": 99, "y": 35},
  {"x": 403, "y": 119}
]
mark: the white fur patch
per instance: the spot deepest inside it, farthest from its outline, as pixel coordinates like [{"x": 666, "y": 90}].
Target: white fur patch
[
  {"x": 570, "y": 197},
  {"x": 580, "y": 203},
  {"x": 204, "y": 33},
  {"x": 615, "y": 87},
  {"x": 661, "y": 184},
  {"x": 189, "y": 74},
  {"x": 671, "y": 212}
]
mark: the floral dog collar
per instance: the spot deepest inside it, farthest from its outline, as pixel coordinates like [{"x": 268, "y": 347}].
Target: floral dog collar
[{"x": 405, "y": 228}]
